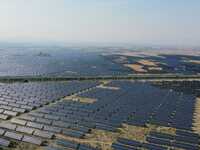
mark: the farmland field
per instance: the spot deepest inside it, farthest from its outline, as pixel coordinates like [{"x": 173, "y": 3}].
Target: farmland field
[{"x": 70, "y": 61}]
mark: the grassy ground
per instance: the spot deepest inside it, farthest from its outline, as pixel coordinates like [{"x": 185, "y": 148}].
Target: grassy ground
[
  {"x": 23, "y": 146},
  {"x": 80, "y": 99}
]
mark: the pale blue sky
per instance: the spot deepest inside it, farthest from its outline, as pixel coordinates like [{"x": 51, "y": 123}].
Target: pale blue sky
[{"x": 117, "y": 21}]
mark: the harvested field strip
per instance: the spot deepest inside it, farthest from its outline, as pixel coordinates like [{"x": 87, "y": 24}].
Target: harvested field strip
[
  {"x": 136, "y": 67},
  {"x": 147, "y": 62}
]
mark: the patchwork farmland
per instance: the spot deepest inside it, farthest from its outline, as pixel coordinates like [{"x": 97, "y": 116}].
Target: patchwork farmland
[{"x": 111, "y": 114}]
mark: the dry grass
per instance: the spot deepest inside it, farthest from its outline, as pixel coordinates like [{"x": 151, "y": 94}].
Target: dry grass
[
  {"x": 86, "y": 100},
  {"x": 108, "y": 87},
  {"x": 104, "y": 139},
  {"x": 134, "y": 132},
  {"x": 136, "y": 67},
  {"x": 23, "y": 146},
  {"x": 104, "y": 82},
  {"x": 98, "y": 139},
  {"x": 80, "y": 99},
  {"x": 69, "y": 97},
  {"x": 168, "y": 130}
]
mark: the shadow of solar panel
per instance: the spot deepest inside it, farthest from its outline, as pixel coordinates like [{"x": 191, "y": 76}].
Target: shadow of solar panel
[
  {"x": 153, "y": 146},
  {"x": 80, "y": 128},
  {"x": 161, "y": 120},
  {"x": 162, "y": 135},
  {"x": 137, "y": 123},
  {"x": 108, "y": 122},
  {"x": 182, "y": 124},
  {"x": 129, "y": 142},
  {"x": 185, "y": 146},
  {"x": 73, "y": 133},
  {"x": 86, "y": 147},
  {"x": 61, "y": 124},
  {"x": 187, "y": 139},
  {"x": 119, "y": 146},
  {"x": 105, "y": 127},
  {"x": 53, "y": 148},
  {"x": 87, "y": 124},
  {"x": 158, "y": 141},
  {"x": 187, "y": 134},
  {"x": 67, "y": 144}
]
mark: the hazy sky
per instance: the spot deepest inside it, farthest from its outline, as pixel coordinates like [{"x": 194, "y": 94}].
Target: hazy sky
[{"x": 122, "y": 21}]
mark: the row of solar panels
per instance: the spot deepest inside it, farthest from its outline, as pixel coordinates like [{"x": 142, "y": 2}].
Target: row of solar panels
[
  {"x": 161, "y": 141},
  {"x": 141, "y": 103}
]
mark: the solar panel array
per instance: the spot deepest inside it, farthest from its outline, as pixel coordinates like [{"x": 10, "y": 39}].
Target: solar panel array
[
  {"x": 161, "y": 141},
  {"x": 142, "y": 103},
  {"x": 18, "y": 98},
  {"x": 170, "y": 63},
  {"x": 134, "y": 103},
  {"x": 35, "y": 61}
]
